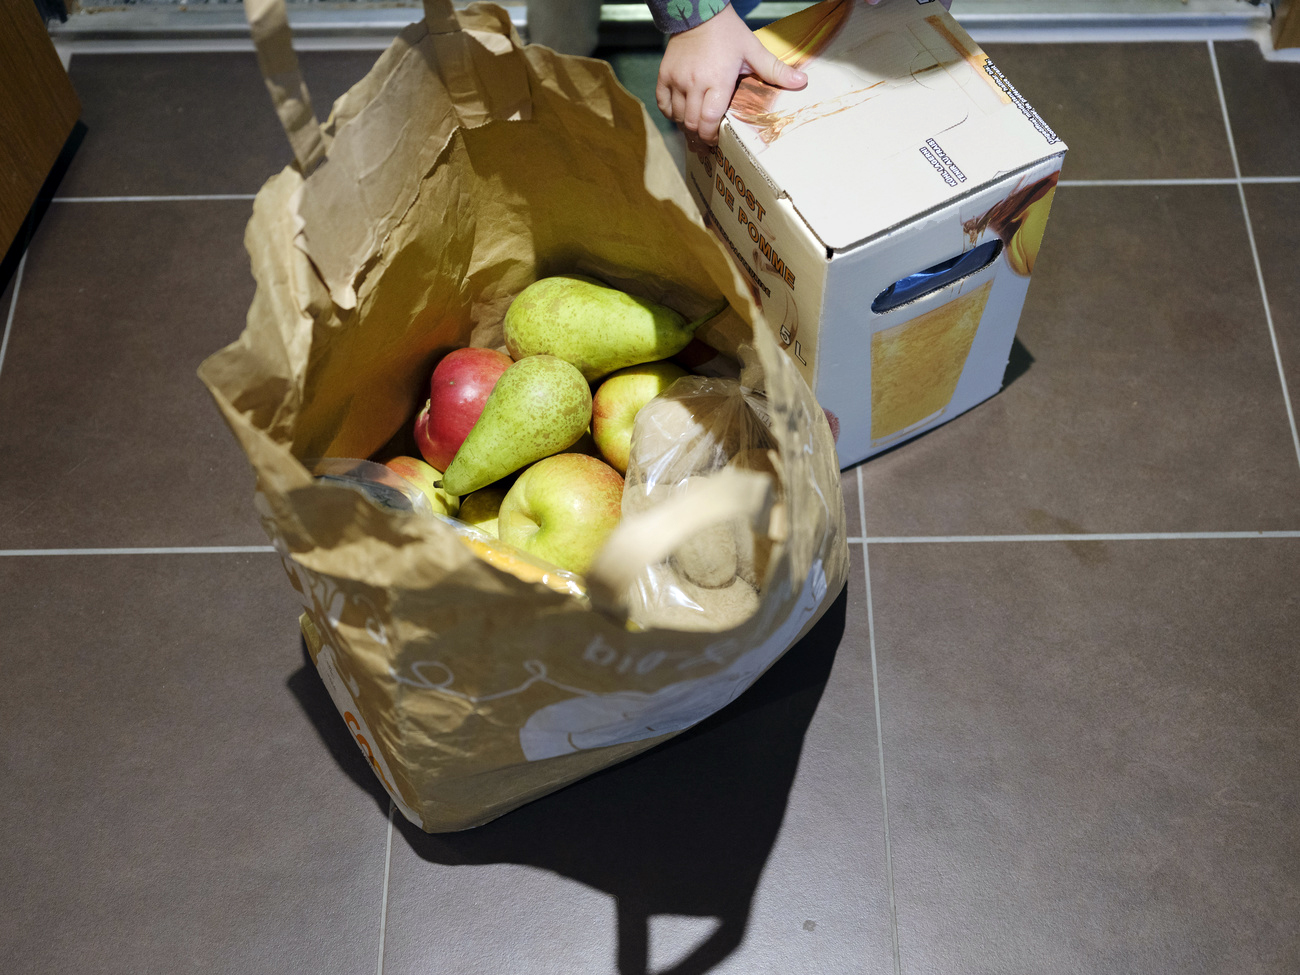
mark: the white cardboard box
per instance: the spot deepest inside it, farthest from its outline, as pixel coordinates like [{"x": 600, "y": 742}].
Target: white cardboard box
[{"x": 908, "y": 151}]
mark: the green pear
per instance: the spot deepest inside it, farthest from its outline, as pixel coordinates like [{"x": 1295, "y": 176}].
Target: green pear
[
  {"x": 597, "y": 328},
  {"x": 540, "y": 406}
]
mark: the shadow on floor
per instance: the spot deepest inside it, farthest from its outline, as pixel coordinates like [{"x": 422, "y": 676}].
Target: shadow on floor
[
  {"x": 1018, "y": 363},
  {"x": 684, "y": 828}
]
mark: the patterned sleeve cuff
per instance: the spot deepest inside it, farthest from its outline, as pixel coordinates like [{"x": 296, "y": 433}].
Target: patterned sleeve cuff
[{"x": 675, "y": 16}]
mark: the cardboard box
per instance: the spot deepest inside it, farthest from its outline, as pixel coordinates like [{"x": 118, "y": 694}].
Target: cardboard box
[{"x": 888, "y": 215}]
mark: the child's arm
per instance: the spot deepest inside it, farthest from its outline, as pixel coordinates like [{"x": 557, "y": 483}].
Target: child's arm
[{"x": 702, "y": 61}]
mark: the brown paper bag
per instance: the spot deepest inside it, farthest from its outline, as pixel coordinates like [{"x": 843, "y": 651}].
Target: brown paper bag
[{"x": 460, "y": 169}]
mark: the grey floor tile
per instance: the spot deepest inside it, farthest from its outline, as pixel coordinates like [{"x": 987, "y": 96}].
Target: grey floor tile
[
  {"x": 190, "y": 123},
  {"x": 108, "y": 436},
  {"x": 168, "y": 803},
  {"x": 1263, "y": 100},
  {"x": 1152, "y": 401},
  {"x": 1275, "y": 217},
  {"x": 1127, "y": 111},
  {"x": 752, "y": 843},
  {"x": 852, "y": 510},
  {"x": 1091, "y": 755}
]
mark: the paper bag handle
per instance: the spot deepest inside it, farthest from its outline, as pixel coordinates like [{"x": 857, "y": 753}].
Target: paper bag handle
[
  {"x": 269, "y": 24},
  {"x": 651, "y": 536},
  {"x": 440, "y": 17},
  {"x": 477, "y": 96},
  {"x": 472, "y": 95}
]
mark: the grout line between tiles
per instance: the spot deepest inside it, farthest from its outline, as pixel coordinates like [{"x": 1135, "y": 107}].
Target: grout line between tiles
[
  {"x": 187, "y": 197},
  {"x": 1080, "y": 537},
  {"x": 174, "y": 550},
  {"x": 383, "y": 904},
  {"x": 1190, "y": 181},
  {"x": 233, "y": 45},
  {"x": 1254, "y": 250},
  {"x": 172, "y": 198},
  {"x": 853, "y": 540},
  {"x": 13, "y": 304},
  {"x": 880, "y": 738}
]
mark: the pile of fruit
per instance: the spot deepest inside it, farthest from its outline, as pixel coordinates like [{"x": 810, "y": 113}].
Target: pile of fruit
[{"x": 531, "y": 447}]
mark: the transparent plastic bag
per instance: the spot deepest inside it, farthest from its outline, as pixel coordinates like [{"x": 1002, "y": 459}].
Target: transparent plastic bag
[
  {"x": 698, "y": 427},
  {"x": 515, "y": 560},
  {"x": 390, "y": 491}
]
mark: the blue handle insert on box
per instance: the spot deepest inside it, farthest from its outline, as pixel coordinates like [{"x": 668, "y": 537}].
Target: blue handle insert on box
[{"x": 941, "y": 275}]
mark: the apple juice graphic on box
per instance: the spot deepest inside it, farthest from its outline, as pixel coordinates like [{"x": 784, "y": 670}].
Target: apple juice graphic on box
[{"x": 888, "y": 215}]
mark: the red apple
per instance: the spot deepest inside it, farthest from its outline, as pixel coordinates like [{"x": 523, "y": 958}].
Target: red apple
[
  {"x": 562, "y": 509},
  {"x": 458, "y": 389}
]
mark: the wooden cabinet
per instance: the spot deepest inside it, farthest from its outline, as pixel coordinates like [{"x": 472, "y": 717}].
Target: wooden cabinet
[
  {"x": 1286, "y": 24},
  {"x": 38, "y": 108}
]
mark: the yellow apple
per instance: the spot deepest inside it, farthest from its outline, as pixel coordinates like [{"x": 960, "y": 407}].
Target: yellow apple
[
  {"x": 618, "y": 400},
  {"x": 424, "y": 476},
  {"x": 562, "y": 509},
  {"x": 480, "y": 509}
]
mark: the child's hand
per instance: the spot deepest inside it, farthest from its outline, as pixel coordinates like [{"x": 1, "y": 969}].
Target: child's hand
[{"x": 697, "y": 76}]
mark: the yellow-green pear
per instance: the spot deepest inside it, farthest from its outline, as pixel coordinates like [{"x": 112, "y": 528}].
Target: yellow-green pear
[
  {"x": 597, "y": 328},
  {"x": 540, "y": 406}
]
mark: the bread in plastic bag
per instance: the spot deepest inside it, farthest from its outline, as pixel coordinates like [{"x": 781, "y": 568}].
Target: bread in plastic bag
[{"x": 698, "y": 427}]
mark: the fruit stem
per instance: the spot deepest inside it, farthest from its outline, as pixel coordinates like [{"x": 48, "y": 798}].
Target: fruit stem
[{"x": 710, "y": 315}]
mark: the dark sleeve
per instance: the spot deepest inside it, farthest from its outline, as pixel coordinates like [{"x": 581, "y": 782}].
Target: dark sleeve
[{"x": 675, "y": 16}]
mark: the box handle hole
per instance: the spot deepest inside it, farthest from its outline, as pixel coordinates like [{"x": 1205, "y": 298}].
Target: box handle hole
[{"x": 941, "y": 275}]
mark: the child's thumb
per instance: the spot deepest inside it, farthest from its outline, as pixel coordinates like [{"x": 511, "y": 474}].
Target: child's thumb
[{"x": 768, "y": 67}]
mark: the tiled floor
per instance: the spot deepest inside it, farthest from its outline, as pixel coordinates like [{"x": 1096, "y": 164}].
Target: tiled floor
[{"x": 1052, "y": 725}]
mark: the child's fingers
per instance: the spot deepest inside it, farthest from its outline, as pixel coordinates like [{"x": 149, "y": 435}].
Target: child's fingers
[
  {"x": 768, "y": 67},
  {"x": 679, "y": 106},
  {"x": 691, "y": 117},
  {"x": 664, "y": 98},
  {"x": 712, "y": 107}
]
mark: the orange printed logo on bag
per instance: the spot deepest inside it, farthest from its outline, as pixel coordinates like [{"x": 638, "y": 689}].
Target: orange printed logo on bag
[{"x": 355, "y": 725}]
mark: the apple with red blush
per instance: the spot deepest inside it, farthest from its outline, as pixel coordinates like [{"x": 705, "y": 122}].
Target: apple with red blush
[{"x": 458, "y": 388}]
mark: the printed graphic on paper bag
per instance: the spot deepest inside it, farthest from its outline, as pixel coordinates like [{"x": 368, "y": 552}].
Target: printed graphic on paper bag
[
  {"x": 915, "y": 365},
  {"x": 595, "y": 720},
  {"x": 434, "y": 675},
  {"x": 1019, "y": 220},
  {"x": 346, "y": 704},
  {"x": 326, "y": 603}
]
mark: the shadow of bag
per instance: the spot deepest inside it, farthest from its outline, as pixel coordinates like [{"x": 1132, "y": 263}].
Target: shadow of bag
[{"x": 463, "y": 167}]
